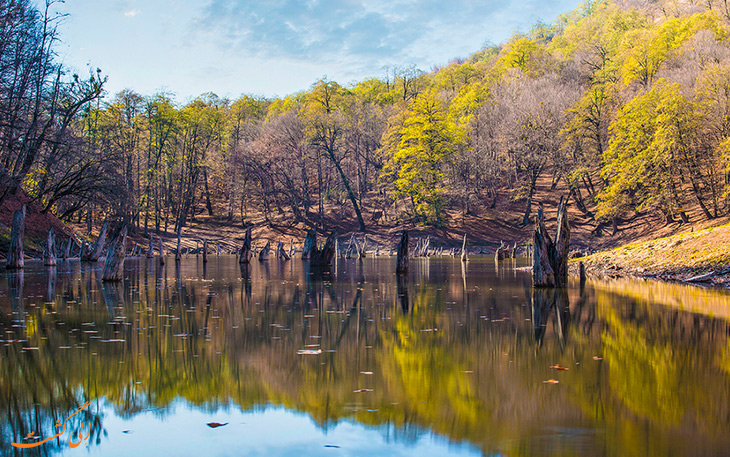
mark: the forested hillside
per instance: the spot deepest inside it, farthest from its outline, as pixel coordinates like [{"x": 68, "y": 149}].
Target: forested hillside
[{"x": 625, "y": 106}]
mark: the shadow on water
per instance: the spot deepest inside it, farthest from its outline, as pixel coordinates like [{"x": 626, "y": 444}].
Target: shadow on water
[{"x": 449, "y": 350}]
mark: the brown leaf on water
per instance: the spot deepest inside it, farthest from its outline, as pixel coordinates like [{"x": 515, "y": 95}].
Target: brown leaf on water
[
  {"x": 216, "y": 424},
  {"x": 558, "y": 367},
  {"x": 595, "y": 357},
  {"x": 551, "y": 381}
]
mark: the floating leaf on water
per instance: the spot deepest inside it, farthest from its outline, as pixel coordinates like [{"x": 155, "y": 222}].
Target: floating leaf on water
[
  {"x": 595, "y": 357},
  {"x": 558, "y": 367},
  {"x": 331, "y": 445},
  {"x": 551, "y": 381},
  {"x": 216, "y": 424},
  {"x": 362, "y": 390},
  {"x": 309, "y": 351},
  {"x": 366, "y": 372},
  {"x": 126, "y": 431}
]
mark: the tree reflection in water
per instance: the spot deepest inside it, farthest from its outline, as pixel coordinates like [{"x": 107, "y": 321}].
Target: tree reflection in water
[{"x": 458, "y": 350}]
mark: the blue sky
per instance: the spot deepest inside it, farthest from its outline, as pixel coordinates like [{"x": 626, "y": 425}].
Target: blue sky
[{"x": 278, "y": 47}]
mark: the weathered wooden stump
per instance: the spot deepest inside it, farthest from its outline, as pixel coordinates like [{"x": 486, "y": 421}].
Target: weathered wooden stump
[
  {"x": 67, "y": 251},
  {"x": 205, "y": 251},
  {"x": 464, "y": 255},
  {"x": 281, "y": 253},
  {"x": 310, "y": 244},
  {"x": 15, "y": 252},
  {"x": 178, "y": 253},
  {"x": 402, "y": 255},
  {"x": 550, "y": 260},
  {"x": 582, "y": 275},
  {"x": 264, "y": 254},
  {"x": 114, "y": 264},
  {"x": 93, "y": 254},
  {"x": 245, "y": 254},
  {"x": 150, "y": 247},
  {"x": 162, "y": 251},
  {"x": 323, "y": 257},
  {"x": 49, "y": 255},
  {"x": 292, "y": 249}
]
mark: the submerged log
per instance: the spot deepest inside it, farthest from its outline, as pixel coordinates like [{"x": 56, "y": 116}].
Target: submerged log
[
  {"x": 15, "y": 252},
  {"x": 162, "y": 251},
  {"x": 49, "y": 256},
  {"x": 323, "y": 257},
  {"x": 402, "y": 256},
  {"x": 264, "y": 254},
  {"x": 245, "y": 253},
  {"x": 114, "y": 265},
  {"x": 464, "y": 255},
  {"x": 550, "y": 260},
  {"x": 310, "y": 244}
]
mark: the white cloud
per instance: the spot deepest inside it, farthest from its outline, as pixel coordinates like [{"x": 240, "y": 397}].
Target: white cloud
[{"x": 131, "y": 13}]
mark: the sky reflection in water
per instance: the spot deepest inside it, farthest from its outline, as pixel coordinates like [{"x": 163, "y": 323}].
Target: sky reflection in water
[{"x": 450, "y": 360}]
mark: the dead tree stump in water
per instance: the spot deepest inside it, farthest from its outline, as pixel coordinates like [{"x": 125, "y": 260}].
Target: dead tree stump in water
[
  {"x": 264, "y": 254},
  {"x": 464, "y": 255},
  {"x": 150, "y": 247},
  {"x": 402, "y": 256},
  {"x": 49, "y": 256},
  {"x": 205, "y": 251},
  {"x": 67, "y": 251},
  {"x": 94, "y": 253},
  {"x": 178, "y": 254},
  {"x": 323, "y": 257},
  {"x": 114, "y": 264},
  {"x": 245, "y": 253},
  {"x": 162, "y": 251},
  {"x": 550, "y": 260},
  {"x": 310, "y": 244},
  {"x": 15, "y": 252},
  {"x": 281, "y": 253}
]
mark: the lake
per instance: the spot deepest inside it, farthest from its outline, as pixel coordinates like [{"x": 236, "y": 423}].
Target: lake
[{"x": 207, "y": 360}]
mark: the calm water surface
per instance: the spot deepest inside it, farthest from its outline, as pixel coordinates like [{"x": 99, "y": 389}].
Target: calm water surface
[{"x": 452, "y": 360}]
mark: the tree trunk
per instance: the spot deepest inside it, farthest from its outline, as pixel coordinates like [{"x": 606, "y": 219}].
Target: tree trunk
[
  {"x": 98, "y": 248},
  {"x": 562, "y": 245},
  {"x": 402, "y": 256},
  {"x": 323, "y": 257},
  {"x": 178, "y": 254},
  {"x": 67, "y": 251},
  {"x": 205, "y": 251},
  {"x": 264, "y": 254},
  {"x": 543, "y": 274},
  {"x": 281, "y": 253},
  {"x": 162, "y": 251},
  {"x": 150, "y": 248},
  {"x": 245, "y": 254},
  {"x": 114, "y": 265},
  {"x": 550, "y": 260},
  {"x": 50, "y": 253},
  {"x": 310, "y": 244},
  {"x": 350, "y": 194},
  {"x": 15, "y": 252},
  {"x": 464, "y": 255}
]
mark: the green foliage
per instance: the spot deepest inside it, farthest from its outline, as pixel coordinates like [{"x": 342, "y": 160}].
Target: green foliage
[{"x": 419, "y": 148}]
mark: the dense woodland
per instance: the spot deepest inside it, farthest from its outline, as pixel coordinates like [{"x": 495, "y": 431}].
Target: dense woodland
[{"x": 625, "y": 104}]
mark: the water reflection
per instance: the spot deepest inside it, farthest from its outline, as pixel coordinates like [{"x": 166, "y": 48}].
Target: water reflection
[{"x": 458, "y": 350}]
